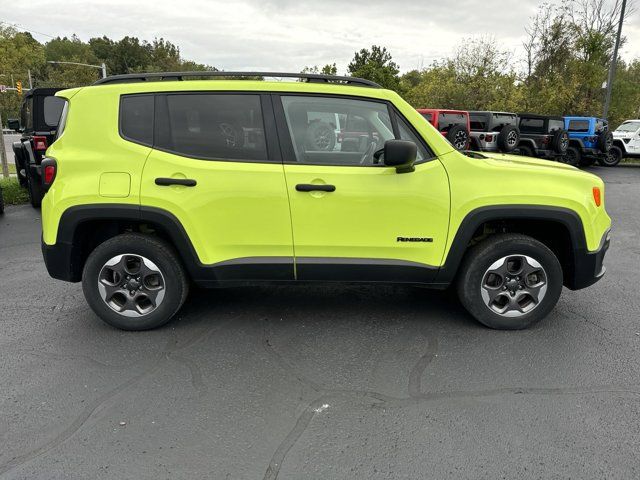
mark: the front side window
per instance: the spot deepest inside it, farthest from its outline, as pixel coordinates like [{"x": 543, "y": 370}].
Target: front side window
[
  {"x": 136, "y": 118},
  {"x": 336, "y": 131},
  {"x": 52, "y": 110},
  {"x": 212, "y": 126}
]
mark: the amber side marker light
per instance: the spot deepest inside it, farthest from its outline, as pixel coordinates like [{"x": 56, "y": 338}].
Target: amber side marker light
[{"x": 597, "y": 196}]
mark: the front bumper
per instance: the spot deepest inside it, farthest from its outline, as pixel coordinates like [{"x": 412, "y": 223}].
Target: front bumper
[{"x": 588, "y": 266}]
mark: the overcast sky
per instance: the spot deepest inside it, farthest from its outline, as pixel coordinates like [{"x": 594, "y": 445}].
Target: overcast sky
[{"x": 286, "y": 35}]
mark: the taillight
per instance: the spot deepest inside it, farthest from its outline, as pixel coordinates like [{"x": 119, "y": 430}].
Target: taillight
[
  {"x": 49, "y": 168},
  {"x": 488, "y": 138},
  {"x": 597, "y": 196},
  {"x": 39, "y": 143}
]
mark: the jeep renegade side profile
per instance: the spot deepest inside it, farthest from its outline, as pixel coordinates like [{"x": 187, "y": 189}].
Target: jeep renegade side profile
[{"x": 223, "y": 183}]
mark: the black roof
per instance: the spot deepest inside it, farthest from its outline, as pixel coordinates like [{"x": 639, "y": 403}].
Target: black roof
[
  {"x": 309, "y": 77},
  {"x": 543, "y": 117},
  {"x": 42, "y": 91}
]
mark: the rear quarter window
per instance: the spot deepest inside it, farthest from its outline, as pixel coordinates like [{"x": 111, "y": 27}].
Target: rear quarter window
[
  {"x": 581, "y": 126},
  {"x": 136, "y": 118},
  {"x": 532, "y": 125},
  {"x": 53, "y": 110}
]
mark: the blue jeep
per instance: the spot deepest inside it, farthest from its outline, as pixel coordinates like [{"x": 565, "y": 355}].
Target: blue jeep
[{"x": 589, "y": 141}]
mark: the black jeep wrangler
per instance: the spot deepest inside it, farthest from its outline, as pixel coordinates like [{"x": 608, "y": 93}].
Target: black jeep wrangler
[
  {"x": 38, "y": 124},
  {"x": 542, "y": 136},
  {"x": 494, "y": 131}
]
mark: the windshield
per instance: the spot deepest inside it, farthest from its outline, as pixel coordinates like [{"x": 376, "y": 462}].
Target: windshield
[{"x": 628, "y": 127}]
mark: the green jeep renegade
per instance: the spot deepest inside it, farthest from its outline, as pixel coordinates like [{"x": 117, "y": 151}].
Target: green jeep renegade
[{"x": 155, "y": 183}]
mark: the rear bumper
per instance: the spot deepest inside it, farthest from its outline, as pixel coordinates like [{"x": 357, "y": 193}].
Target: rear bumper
[
  {"x": 59, "y": 260},
  {"x": 589, "y": 266}
]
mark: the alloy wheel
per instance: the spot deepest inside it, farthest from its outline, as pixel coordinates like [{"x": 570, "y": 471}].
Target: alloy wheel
[
  {"x": 514, "y": 285},
  {"x": 131, "y": 285}
]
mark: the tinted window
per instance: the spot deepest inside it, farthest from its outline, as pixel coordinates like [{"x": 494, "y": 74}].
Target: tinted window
[
  {"x": 500, "y": 120},
  {"x": 556, "y": 125},
  {"x": 213, "y": 126},
  {"x": 478, "y": 122},
  {"x": 136, "y": 118},
  {"x": 361, "y": 128},
  {"x": 579, "y": 126},
  {"x": 25, "y": 114},
  {"x": 532, "y": 125},
  {"x": 52, "y": 110},
  {"x": 448, "y": 120}
]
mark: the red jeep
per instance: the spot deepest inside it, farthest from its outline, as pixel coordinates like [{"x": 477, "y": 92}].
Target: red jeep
[{"x": 453, "y": 124}]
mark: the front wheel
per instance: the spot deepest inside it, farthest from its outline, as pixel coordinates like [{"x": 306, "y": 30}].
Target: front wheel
[
  {"x": 612, "y": 158},
  {"x": 509, "y": 281},
  {"x": 134, "y": 282}
]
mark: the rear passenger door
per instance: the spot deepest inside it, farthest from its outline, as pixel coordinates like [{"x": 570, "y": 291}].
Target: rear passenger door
[{"x": 216, "y": 166}]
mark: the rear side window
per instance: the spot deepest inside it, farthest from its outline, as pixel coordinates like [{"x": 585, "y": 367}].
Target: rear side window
[
  {"x": 579, "y": 126},
  {"x": 52, "y": 110},
  {"x": 428, "y": 116},
  {"x": 136, "y": 118},
  {"x": 532, "y": 125},
  {"x": 212, "y": 126},
  {"x": 448, "y": 120},
  {"x": 478, "y": 122}
]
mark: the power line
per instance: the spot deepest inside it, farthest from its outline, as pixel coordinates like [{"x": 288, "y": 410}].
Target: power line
[{"x": 17, "y": 25}]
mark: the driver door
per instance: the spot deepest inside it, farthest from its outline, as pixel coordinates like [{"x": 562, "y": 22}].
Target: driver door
[{"x": 354, "y": 218}]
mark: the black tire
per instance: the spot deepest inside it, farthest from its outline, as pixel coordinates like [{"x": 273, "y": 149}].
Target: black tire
[
  {"x": 35, "y": 191},
  {"x": 605, "y": 141},
  {"x": 458, "y": 135},
  {"x": 508, "y": 138},
  {"x": 571, "y": 157},
  {"x": 525, "y": 151},
  {"x": 320, "y": 136},
  {"x": 157, "y": 251},
  {"x": 613, "y": 157},
  {"x": 560, "y": 141},
  {"x": 474, "y": 271}
]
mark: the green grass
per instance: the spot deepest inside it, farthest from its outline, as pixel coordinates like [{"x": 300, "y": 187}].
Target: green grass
[
  {"x": 12, "y": 168},
  {"x": 631, "y": 161},
  {"x": 13, "y": 193}
]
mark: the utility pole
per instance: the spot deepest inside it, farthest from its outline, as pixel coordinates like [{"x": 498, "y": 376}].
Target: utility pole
[{"x": 614, "y": 61}]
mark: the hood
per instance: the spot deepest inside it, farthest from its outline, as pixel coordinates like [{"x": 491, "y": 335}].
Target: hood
[{"x": 505, "y": 160}]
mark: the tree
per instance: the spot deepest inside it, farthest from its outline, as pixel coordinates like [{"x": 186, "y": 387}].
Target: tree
[
  {"x": 328, "y": 69},
  {"x": 376, "y": 65}
]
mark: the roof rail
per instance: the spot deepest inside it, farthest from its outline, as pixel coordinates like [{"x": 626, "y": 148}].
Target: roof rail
[{"x": 309, "y": 77}]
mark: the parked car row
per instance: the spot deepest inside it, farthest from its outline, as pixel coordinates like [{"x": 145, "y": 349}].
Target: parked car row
[{"x": 575, "y": 140}]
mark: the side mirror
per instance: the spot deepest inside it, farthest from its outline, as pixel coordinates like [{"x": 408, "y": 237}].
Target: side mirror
[
  {"x": 13, "y": 124},
  {"x": 400, "y": 154}
]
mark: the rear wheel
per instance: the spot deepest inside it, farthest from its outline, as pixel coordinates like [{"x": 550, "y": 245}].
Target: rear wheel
[
  {"x": 571, "y": 157},
  {"x": 509, "y": 281},
  {"x": 613, "y": 157},
  {"x": 134, "y": 282}
]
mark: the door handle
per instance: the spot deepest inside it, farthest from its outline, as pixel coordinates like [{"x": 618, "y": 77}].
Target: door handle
[
  {"x": 310, "y": 187},
  {"x": 186, "y": 182}
]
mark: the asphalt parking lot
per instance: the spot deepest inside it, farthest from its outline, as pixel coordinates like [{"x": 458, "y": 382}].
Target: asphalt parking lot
[{"x": 320, "y": 382}]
